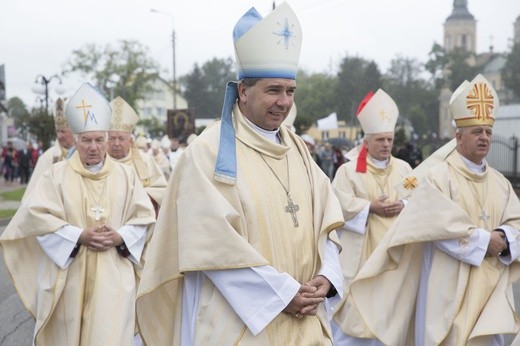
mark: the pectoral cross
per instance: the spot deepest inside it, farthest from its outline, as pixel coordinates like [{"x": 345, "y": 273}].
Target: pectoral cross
[
  {"x": 484, "y": 217},
  {"x": 97, "y": 212},
  {"x": 292, "y": 208}
]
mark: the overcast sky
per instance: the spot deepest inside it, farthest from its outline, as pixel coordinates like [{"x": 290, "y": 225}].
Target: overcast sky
[{"x": 38, "y": 36}]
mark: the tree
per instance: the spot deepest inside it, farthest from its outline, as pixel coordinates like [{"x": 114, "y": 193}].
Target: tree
[
  {"x": 459, "y": 68},
  {"x": 415, "y": 97},
  {"x": 17, "y": 110},
  {"x": 125, "y": 70},
  {"x": 356, "y": 77},
  {"x": 41, "y": 125},
  {"x": 511, "y": 70},
  {"x": 315, "y": 97},
  {"x": 205, "y": 86},
  {"x": 450, "y": 69},
  {"x": 438, "y": 60},
  {"x": 153, "y": 126}
]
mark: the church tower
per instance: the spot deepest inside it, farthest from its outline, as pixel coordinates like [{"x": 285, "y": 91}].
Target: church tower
[
  {"x": 460, "y": 31},
  {"x": 460, "y": 28}
]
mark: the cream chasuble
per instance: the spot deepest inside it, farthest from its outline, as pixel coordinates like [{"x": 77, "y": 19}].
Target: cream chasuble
[
  {"x": 207, "y": 225},
  {"x": 466, "y": 304},
  {"x": 149, "y": 173},
  {"x": 355, "y": 191},
  {"x": 91, "y": 302}
]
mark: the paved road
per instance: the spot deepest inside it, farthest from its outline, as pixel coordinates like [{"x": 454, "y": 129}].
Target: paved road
[{"x": 17, "y": 325}]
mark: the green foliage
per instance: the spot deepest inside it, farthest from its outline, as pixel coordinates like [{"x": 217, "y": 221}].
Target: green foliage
[
  {"x": 415, "y": 97},
  {"x": 459, "y": 68},
  {"x": 511, "y": 71},
  {"x": 356, "y": 77},
  {"x": 315, "y": 98},
  {"x": 13, "y": 195},
  {"x": 154, "y": 128},
  {"x": 437, "y": 62},
  {"x": 125, "y": 70},
  {"x": 41, "y": 125},
  {"x": 205, "y": 86},
  {"x": 450, "y": 68},
  {"x": 7, "y": 213}
]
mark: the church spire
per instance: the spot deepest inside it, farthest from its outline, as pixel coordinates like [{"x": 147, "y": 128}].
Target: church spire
[
  {"x": 460, "y": 11},
  {"x": 460, "y": 3}
]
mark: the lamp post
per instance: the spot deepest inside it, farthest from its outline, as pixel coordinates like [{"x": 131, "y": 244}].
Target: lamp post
[
  {"x": 42, "y": 87},
  {"x": 173, "y": 46}
]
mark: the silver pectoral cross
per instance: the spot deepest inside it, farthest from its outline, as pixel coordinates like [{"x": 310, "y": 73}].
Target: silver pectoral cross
[
  {"x": 484, "y": 217},
  {"x": 292, "y": 208},
  {"x": 97, "y": 212}
]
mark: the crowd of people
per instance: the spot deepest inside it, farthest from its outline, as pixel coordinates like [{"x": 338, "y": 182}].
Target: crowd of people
[
  {"x": 18, "y": 164},
  {"x": 259, "y": 236}
]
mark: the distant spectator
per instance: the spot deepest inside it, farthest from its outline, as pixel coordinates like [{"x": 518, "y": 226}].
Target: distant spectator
[
  {"x": 326, "y": 157},
  {"x": 411, "y": 154},
  {"x": 337, "y": 159},
  {"x": 26, "y": 163},
  {"x": 311, "y": 145},
  {"x": 9, "y": 156}
]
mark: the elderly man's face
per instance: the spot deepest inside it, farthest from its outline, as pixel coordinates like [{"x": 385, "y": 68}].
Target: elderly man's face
[
  {"x": 92, "y": 147},
  {"x": 267, "y": 103},
  {"x": 473, "y": 142},
  {"x": 65, "y": 137},
  {"x": 119, "y": 144},
  {"x": 379, "y": 145}
]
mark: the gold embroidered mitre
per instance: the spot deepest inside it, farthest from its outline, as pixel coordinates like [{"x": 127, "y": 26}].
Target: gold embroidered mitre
[
  {"x": 60, "y": 122},
  {"x": 474, "y": 103},
  {"x": 124, "y": 117}
]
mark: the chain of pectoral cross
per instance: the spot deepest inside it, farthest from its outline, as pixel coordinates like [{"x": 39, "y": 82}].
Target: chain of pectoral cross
[
  {"x": 291, "y": 207},
  {"x": 483, "y": 215},
  {"x": 97, "y": 209}
]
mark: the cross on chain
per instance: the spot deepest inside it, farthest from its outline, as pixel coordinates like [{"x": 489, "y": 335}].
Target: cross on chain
[
  {"x": 484, "y": 217},
  {"x": 292, "y": 208},
  {"x": 97, "y": 212}
]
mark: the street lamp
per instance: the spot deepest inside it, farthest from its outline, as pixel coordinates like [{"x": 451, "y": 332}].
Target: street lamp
[
  {"x": 42, "y": 87},
  {"x": 173, "y": 46}
]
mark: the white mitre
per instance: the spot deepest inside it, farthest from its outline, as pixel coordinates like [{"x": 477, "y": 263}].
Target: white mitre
[
  {"x": 88, "y": 110},
  {"x": 378, "y": 113},
  {"x": 474, "y": 103},
  {"x": 268, "y": 47}
]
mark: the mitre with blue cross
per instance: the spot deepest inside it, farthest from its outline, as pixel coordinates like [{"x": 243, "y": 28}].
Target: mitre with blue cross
[
  {"x": 88, "y": 110},
  {"x": 264, "y": 48},
  {"x": 474, "y": 103},
  {"x": 268, "y": 47}
]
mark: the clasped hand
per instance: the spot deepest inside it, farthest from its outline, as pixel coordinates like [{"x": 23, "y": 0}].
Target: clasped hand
[
  {"x": 386, "y": 209},
  {"x": 309, "y": 297},
  {"x": 100, "y": 238},
  {"x": 497, "y": 243}
]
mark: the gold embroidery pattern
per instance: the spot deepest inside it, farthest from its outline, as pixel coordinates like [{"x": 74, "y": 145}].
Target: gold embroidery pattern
[
  {"x": 410, "y": 183},
  {"x": 480, "y": 101}
]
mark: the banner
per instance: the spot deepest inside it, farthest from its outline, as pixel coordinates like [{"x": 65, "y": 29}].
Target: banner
[{"x": 330, "y": 122}]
